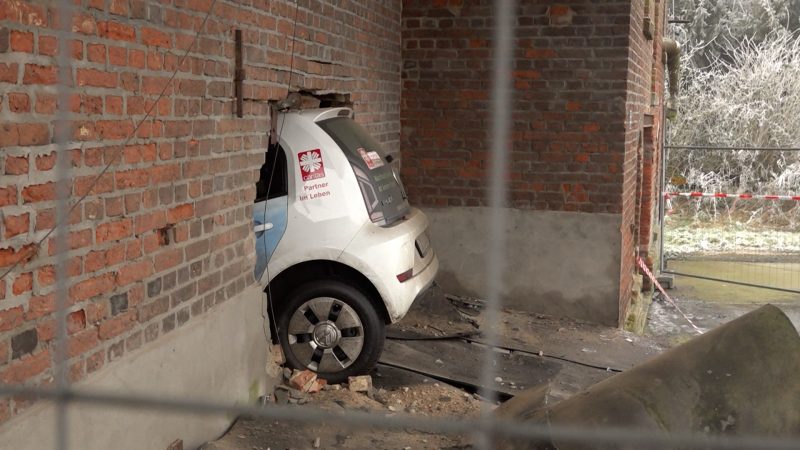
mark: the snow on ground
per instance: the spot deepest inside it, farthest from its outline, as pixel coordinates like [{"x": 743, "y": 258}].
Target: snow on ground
[{"x": 691, "y": 238}]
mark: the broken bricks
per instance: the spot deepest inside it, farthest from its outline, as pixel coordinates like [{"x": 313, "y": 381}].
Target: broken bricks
[
  {"x": 361, "y": 383},
  {"x": 302, "y": 380},
  {"x": 306, "y": 381}
]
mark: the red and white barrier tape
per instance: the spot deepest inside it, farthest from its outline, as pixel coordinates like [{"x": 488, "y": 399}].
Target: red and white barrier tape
[
  {"x": 650, "y": 275},
  {"x": 669, "y": 195}
]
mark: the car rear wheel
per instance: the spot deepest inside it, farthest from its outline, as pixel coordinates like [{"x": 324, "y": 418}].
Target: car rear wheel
[{"x": 332, "y": 329}]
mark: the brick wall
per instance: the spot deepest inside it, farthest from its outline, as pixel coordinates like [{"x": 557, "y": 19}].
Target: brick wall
[
  {"x": 645, "y": 82},
  {"x": 582, "y": 73},
  {"x": 164, "y": 236}
]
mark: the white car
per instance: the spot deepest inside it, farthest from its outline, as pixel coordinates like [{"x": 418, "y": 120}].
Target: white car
[{"x": 339, "y": 250}]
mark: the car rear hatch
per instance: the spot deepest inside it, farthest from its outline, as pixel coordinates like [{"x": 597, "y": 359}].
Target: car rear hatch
[{"x": 378, "y": 179}]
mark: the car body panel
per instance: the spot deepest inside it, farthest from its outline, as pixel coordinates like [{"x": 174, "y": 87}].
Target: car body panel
[{"x": 326, "y": 219}]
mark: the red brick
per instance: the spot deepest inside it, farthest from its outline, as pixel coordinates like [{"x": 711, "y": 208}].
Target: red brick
[
  {"x": 21, "y": 41},
  {"x": 36, "y": 74},
  {"x": 180, "y": 213},
  {"x": 118, "y": 56},
  {"x": 114, "y": 129},
  {"x": 168, "y": 259},
  {"x": 90, "y": 184},
  {"x": 540, "y": 53},
  {"x": 113, "y": 105},
  {"x": 591, "y": 127},
  {"x": 134, "y": 272},
  {"x": 75, "y": 240},
  {"x": 39, "y": 192},
  {"x": 10, "y": 256},
  {"x": 132, "y": 178},
  {"x": 26, "y": 368},
  {"x": 82, "y": 342},
  {"x": 46, "y": 218},
  {"x": 16, "y": 165},
  {"x": 46, "y": 330},
  {"x": 92, "y": 287},
  {"x": 84, "y": 23},
  {"x": 156, "y": 38},
  {"x": 133, "y": 249},
  {"x": 76, "y": 371},
  {"x": 9, "y": 135},
  {"x": 154, "y": 85},
  {"x": 11, "y": 318},
  {"x": 45, "y": 162},
  {"x": 48, "y": 46},
  {"x": 8, "y": 73},
  {"x": 96, "y": 53},
  {"x": 96, "y": 78},
  {"x": 19, "y": 102},
  {"x": 114, "y": 231},
  {"x": 115, "y": 254},
  {"x": 150, "y": 221},
  {"x": 136, "y": 59},
  {"x": 117, "y": 31},
  {"x": 96, "y": 312},
  {"x": 115, "y": 326},
  {"x": 559, "y": 10},
  {"x": 40, "y": 306},
  {"x": 45, "y": 103},
  {"x": 15, "y": 225},
  {"x": 114, "y": 206},
  {"x": 8, "y": 195},
  {"x": 95, "y": 362},
  {"x": 23, "y": 283},
  {"x": 527, "y": 74},
  {"x": 47, "y": 274},
  {"x": 33, "y": 134},
  {"x": 301, "y": 379},
  {"x": 76, "y": 321},
  {"x": 165, "y": 173},
  {"x": 95, "y": 260},
  {"x": 139, "y": 153},
  {"x": 4, "y": 352}
]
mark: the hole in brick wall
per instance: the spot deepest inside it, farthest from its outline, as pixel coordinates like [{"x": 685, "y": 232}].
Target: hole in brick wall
[
  {"x": 76, "y": 321},
  {"x": 24, "y": 343},
  {"x": 119, "y": 303},
  {"x": 164, "y": 235},
  {"x": 307, "y": 99}
]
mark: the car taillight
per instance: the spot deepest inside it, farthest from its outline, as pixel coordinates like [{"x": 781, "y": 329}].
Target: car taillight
[
  {"x": 370, "y": 197},
  {"x": 405, "y": 276}
]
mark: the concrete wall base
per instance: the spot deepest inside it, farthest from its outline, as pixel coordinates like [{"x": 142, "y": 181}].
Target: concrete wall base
[
  {"x": 559, "y": 263},
  {"x": 221, "y": 357},
  {"x": 641, "y": 298}
]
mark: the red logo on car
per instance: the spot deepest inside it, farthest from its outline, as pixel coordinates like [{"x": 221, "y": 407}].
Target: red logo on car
[{"x": 311, "y": 165}]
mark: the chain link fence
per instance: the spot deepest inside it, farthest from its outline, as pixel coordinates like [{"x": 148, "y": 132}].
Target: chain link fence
[{"x": 733, "y": 214}]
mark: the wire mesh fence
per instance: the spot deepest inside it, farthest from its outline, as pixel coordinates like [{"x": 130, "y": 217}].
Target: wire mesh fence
[
  {"x": 487, "y": 429},
  {"x": 733, "y": 214}
]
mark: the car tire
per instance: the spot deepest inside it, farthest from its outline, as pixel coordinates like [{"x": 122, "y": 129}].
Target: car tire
[{"x": 331, "y": 328}]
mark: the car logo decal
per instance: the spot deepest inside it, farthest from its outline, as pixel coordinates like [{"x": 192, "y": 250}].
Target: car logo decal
[{"x": 311, "y": 165}]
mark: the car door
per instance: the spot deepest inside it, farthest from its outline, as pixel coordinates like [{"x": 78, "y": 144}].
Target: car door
[{"x": 270, "y": 211}]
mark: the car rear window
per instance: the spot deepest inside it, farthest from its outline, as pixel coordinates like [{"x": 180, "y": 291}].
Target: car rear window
[{"x": 366, "y": 154}]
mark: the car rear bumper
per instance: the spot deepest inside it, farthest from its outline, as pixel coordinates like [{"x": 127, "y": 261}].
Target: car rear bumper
[{"x": 384, "y": 253}]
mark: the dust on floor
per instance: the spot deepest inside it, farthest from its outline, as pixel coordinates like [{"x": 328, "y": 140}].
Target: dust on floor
[
  {"x": 402, "y": 392},
  {"x": 569, "y": 355}
]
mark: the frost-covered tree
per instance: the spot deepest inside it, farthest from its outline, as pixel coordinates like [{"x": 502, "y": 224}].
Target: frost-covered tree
[
  {"x": 713, "y": 24},
  {"x": 747, "y": 95}
]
